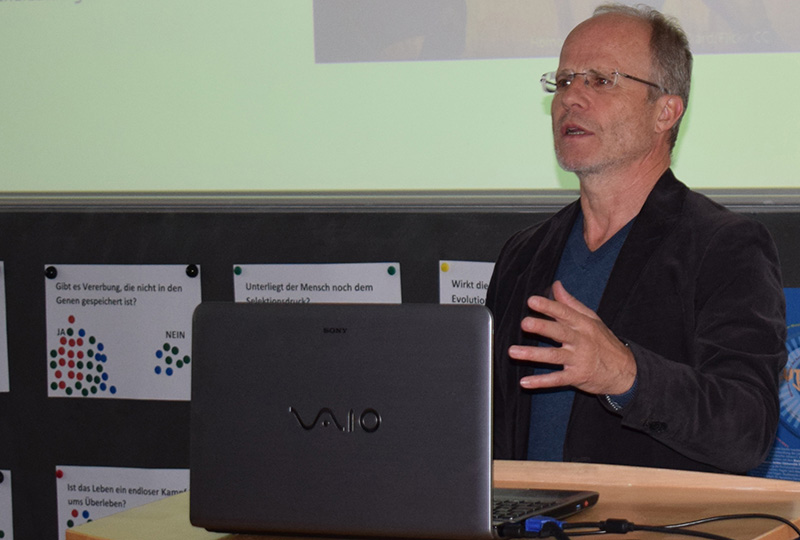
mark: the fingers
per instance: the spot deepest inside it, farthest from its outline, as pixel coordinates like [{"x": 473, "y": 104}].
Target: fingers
[
  {"x": 554, "y": 379},
  {"x": 561, "y": 306},
  {"x": 591, "y": 357},
  {"x": 560, "y": 294},
  {"x": 541, "y": 355},
  {"x": 551, "y": 329},
  {"x": 559, "y": 319}
]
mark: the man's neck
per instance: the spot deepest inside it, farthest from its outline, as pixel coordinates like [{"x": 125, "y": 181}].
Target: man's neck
[{"x": 610, "y": 201}]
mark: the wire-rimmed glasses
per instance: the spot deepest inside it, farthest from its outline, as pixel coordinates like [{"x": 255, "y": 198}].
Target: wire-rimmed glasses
[{"x": 554, "y": 82}]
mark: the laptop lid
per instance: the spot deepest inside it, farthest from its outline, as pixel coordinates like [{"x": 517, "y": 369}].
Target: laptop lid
[{"x": 356, "y": 420}]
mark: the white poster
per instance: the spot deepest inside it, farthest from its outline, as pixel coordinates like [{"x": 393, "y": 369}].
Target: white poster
[
  {"x": 6, "y": 514},
  {"x": 4, "y": 383},
  {"x": 464, "y": 282},
  {"x": 120, "y": 331},
  {"x": 89, "y": 493},
  {"x": 348, "y": 283}
]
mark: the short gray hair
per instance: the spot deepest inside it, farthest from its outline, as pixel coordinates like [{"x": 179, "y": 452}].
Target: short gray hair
[{"x": 669, "y": 50}]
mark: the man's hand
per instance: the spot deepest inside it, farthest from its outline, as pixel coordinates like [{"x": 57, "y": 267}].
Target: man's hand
[{"x": 593, "y": 359}]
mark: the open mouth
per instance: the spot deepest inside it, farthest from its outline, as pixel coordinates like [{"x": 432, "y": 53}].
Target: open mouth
[{"x": 571, "y": 130}]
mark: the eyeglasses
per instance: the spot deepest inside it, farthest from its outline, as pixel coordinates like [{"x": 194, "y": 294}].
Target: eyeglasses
[{"x": 557, "y": 82}]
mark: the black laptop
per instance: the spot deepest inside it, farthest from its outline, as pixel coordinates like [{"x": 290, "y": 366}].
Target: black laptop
[{"x": 348, "y": 420}]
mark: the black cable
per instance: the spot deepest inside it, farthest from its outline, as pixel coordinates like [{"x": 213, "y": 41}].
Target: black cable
[
  {"x": 773, "y": 517},
  {"x": 621, "y": 526},
  {"x": 543, "y": 527},
  {"x": 684, "y": 532},
  {"x": 644, "y": 528},
  {"x": 553, "y": 529}
]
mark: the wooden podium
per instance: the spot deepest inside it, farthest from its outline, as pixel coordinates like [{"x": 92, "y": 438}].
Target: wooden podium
[{"x": 643, "y": 496}]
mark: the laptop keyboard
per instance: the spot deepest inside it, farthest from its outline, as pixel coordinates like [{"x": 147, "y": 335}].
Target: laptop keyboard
[{"x": 504, "y": 510}]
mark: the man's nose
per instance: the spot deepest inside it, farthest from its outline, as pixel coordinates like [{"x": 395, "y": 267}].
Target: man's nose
[{"x": 576, "y": 93}]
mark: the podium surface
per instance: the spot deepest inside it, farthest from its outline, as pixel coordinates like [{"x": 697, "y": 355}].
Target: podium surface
[{"x": 640, "y": 495}]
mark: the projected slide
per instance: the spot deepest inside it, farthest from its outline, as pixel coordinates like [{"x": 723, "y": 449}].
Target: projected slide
[
  {"x": 387, "y": 30},
  {"x": 362, "y": 95}
]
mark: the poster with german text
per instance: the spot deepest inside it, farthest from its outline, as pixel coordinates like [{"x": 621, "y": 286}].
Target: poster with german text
[
  {"x": 464, "y": 282},
  {"x": 120, "y": 331},
  {"x": 6, "y": 513},
  {"x": 5, "y": 385},
  {"x": 342, "y": 283},
  {"x": 89, "y": 493}
]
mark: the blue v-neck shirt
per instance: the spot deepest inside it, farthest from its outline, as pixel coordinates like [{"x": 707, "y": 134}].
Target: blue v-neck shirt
[{"x": 584, "y": 274}]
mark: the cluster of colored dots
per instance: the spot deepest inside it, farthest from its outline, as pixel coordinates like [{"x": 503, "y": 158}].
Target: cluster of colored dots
[
  {"x": 169, "y": 354},
  {"x": 78, "y": 364},
  {"x": 75, "y": 515}
]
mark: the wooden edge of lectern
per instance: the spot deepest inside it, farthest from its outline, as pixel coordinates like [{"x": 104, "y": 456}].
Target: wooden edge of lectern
[
  {"x": 592, "y": 476},
  {"x": 662, "y": 496},
  {"x": 641, "y": 495}
]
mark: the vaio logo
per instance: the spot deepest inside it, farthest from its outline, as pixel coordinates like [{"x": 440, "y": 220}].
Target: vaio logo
[{"x": 369, "y": 420}]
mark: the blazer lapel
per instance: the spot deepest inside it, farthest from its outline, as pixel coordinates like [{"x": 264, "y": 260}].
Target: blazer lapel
[
  {"x": 541, "y": 279},
  {"x": 659, "y": 215}
]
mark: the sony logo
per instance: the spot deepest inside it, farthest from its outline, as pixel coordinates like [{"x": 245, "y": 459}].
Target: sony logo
[
  {"x": 369, "y": 420},
  {"x": 331, "y": 330}
]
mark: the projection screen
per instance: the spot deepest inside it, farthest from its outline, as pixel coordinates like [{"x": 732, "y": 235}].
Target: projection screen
[{"x": 301, "y": 95}]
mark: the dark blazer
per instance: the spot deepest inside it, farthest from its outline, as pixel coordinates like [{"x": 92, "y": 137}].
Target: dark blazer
[{"x": 696, "y": 292}]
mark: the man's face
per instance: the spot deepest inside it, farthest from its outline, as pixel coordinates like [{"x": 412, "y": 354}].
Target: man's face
[{"x": 597, "y": 132}]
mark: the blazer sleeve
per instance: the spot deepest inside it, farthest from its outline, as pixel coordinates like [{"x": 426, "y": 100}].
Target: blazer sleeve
[{"x": 717, "y": 401}]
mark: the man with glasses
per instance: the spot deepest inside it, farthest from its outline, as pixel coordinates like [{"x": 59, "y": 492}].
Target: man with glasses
[{"x": 642, "y": 324}]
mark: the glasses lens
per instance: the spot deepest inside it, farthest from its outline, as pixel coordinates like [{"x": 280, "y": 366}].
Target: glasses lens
[
  {"x": 548, "y": 81},
  {"x": 559, "y": 81},
  {"x": 600, "y": 81}
]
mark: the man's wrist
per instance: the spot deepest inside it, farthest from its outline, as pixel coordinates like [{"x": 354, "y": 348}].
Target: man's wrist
[{"x": 620, "y": 401}]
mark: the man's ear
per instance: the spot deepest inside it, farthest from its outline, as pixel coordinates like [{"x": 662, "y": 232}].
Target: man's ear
[{"x": 670, "y": 112}]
